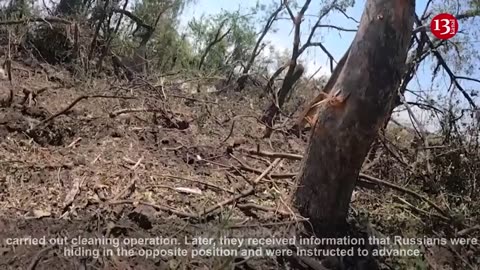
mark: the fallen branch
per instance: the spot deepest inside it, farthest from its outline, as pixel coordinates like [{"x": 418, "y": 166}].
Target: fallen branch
[
  {"x": 244, "y": 193},
  {"x": 38, "y": 256},
  {"x": 72, "y": 144},
  {"x": 237, "y": 169},
  {"x": 194, "y": 99},
  {"x": 469, "y": 230},
  {"x": 245, "y": 167},
  {"x": 157, "y": 207},
  {"x": 71, "y": 106},
  {"x": 124, "y": 111},
  {"x": 361, "y": 176},
  {"x": 137, "y": 164},
  {"x": 418, "y": 210},
  {"x": 405, "y": 190},
  {"x": 273, "y": 154},
  {"x": 263, "y": 208},
  {"x": 270, "y": 224},
  {"x": 196, "y": 181}
]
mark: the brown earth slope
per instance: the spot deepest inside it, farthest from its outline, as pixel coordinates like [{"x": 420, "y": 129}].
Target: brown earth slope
[{"x": 141, "y": 160}]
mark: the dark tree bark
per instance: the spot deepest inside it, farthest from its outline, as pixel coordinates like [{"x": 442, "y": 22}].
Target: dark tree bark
[
  {"x": 289, "y": 81},
  {"x": 349, "y": 119}
]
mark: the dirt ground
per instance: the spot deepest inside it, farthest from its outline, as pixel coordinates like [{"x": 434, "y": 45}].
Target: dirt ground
[{"x": 108, "y": 168}]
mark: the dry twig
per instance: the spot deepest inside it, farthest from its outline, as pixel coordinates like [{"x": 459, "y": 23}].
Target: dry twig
[
  {"x": 66, "y": 109},
  {"x": 196, "y": 181},
  {"x": 263, "y": 208},
  {"x": 361, "y": 175},
  {"x": 38, "y": 256},
  {"x": 244, "y": 193},
  {"x": 137, "y": 110},
  {"x": 158, "y": 207}
]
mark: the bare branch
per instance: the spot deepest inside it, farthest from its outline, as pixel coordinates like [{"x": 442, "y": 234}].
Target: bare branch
[
  {"x": 424, "y": 106},
  {"x": 298, "y": 20},
  {"x": 97, "y": 31},
  {"x": 133, "y": 17},
  {"x": 442, "y": 63},
  {"x": 110, "y": 37},
  {"x": 256, "y": 50},
  {"x": 330, "y": 56},
  {"x": 467, "y": 15},
  {"x": 361, "y": 175},
  {"x": 420, "y": 29},
  {"x": 277, "y": 73},
  {"x": 467, "y": 78},
  {"x": 289, "y": 79},
  {"x": 289, "y": 10},
  {"x": 304, "y": 8},
  {"x": 336, "y": 27},
  {"x": 324, "y": 12},
  {"x": 426, "y": 9},
  {"x": 423, "y": 134},
  {"x": 71, "y": 105},
  {"x": 346, "y": 15}
]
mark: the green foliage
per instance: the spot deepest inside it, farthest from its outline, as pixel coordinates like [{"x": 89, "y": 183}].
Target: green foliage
[
  {"x": 149, "y": 10},
  {"x": 475, "y": 6},
  {"x": 169, "y": 50},
  {"x": 16, "y": 9},
  {"x": 229, "y": 52},
  {"x": 166, "y": 49}
]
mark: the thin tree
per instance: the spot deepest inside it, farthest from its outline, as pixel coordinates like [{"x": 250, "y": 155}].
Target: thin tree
[
  {"x": 349, "y": 119},
  {"x": 291, "y": 67},
  {"x": 256, "y": 50}
]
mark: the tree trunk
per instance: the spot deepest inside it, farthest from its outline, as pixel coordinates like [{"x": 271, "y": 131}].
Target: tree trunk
[
  {"x": 350, "y": 118},
  {"x": 294, "y": 73}
]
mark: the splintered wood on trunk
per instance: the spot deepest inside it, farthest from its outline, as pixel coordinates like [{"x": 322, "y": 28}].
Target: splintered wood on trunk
[
  {"x": 348, "y": 121},
  {"x": 311, "y": 110}
]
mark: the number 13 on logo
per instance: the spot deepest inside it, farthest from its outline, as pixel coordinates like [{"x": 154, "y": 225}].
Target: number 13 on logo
[{"x": 444, "y": 26}]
